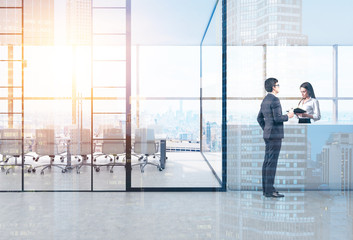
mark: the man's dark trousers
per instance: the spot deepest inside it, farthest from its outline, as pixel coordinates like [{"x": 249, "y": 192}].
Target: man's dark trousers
[{"x": 273, "y": 147}]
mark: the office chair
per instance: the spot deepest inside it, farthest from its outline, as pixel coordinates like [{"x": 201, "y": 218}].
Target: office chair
[
  {"x": 80, "y": 146},
  {"x": 11, "y": 149},
  {"x": 144, "y": 147},
  {"x": 45, "y": 146},
  {"x": 113, "y": 148}
]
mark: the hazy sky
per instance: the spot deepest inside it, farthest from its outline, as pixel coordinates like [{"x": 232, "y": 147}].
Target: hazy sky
[
  {"x": 170, "y": 22},
  {"x": 328, "y": 22},
  {"x": 157, "y": 22},
  {"x": 182, "y": 22}
]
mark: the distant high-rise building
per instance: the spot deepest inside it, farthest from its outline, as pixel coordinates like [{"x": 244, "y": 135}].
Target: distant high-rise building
[
  {"x": 249, "y": 216},
  {"x": 246, "y": 150},
  {"x": 213, "y": 137},
  {"x": 78, "y": 22},
  {"x": 38, "y": 30},
  {"x": 270, "y": 22},
  {"x": 208, "y": 133},
  {"x": 38, "y": 22},
  {"x": 337, "y": 161}
]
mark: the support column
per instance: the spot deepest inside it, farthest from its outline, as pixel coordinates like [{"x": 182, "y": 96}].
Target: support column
[
  {"x": 224, "y": 95},
  {"x": 128, "y": 95}
]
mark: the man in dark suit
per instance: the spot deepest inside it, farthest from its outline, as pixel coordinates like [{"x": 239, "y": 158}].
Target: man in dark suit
[{"x": 271, "y": 121}]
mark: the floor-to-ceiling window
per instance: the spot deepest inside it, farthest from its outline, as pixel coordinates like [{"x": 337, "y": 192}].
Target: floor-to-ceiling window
[
  {"x": 166, "y": 97},
  {"x": 99, "y": 111},
  {"x": 271, "y": 39},
  {"x": 211, "y": 92},
  {"x": 11, "y": 86}
]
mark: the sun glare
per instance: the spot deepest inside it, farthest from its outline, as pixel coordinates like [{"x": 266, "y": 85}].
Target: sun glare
[{"x": 55, "y": 71}]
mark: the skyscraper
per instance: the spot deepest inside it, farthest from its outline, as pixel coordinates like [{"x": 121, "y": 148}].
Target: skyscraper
[
  {"x": 208, "y": 133},
  {"x": 337, "y": 161},
  {"x": 38, "y": 22},
  {"x": 78, "y": 22},
  {"x": 246, "y": 150},
  {"x": 270, "y": 22},
  {"x": 249, "y": 216},
  {"x": 78, "y": 33},
  {"x": 38, "y": 30}
]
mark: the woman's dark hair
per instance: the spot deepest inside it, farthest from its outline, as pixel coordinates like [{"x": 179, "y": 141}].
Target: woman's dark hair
[
  {"x": 309, "y": 88},
  {"x": 269, "y": 83}
]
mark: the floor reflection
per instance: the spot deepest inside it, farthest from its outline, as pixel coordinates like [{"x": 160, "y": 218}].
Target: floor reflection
[
  {"x": 177, "y": 215},
  {"x": 300, "y": 215}
]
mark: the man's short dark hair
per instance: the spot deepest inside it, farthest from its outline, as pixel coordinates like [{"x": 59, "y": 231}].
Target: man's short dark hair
[{"x": 269, "y": 83}]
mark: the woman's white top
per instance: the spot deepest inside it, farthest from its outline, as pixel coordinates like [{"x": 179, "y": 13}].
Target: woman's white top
[{"x": 311, "y": 107}]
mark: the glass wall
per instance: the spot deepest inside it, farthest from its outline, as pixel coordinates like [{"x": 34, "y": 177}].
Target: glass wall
[
  {"x": 282, "y": 39},
  {"x": 10, "y": 96},
  {"x": 313, "y": 156},
  {"x": 73, "y": 93},
  {"x": 57, "y": 118},
  {"x": 110, "y": 58},
  {"x": 76, "y": 122},
  {"x": 10, "y": 117},
  {"x": 166, "y": 100},
  {"x": 211, "y": 89},
  {"x": 166, "y": 107},
  {"x": 66, "y": 104}
]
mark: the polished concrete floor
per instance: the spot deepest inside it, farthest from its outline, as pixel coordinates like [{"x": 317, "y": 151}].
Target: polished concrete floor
[{"x": 176, "y": 215}]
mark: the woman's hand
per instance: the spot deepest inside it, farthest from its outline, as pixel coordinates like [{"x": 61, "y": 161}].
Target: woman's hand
[{"x": 304, "y": 115}]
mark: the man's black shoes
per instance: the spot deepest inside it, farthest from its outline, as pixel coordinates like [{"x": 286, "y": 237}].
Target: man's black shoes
[
  {"x": 263, "y": 193},
  {"x": 274, "y": 195}
]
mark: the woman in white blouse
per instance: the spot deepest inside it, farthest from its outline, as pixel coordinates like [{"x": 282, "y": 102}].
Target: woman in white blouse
[{"x": 309, "y": 103}]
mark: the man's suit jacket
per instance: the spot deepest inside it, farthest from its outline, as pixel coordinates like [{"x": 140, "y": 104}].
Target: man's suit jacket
[{"x": 270, "y": 117}]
